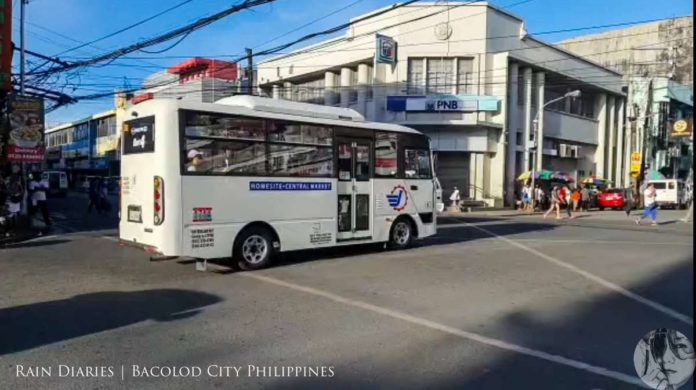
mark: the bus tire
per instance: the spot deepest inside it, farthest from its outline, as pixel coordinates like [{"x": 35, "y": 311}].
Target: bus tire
[
  {"x": 254, "y": 249},
  {"x": 401, "y": 234}
]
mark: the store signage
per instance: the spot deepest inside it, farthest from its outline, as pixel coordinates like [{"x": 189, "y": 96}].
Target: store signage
[
  {"x": 26, "y": 137},
  {"x": 385, "y": 52},
  {"x": 681, "y": 128},
  {"x": 442, "y": 103},
  {"x": 635, "y": 163}
]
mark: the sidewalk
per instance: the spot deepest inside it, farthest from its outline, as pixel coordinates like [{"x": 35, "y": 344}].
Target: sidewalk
[
  {"x": 606, "y": 215},
  {"x": 21, "y": 233}
]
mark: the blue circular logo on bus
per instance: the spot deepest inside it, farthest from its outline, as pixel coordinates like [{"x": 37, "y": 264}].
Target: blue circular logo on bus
[{"x": 398, "y": 199}]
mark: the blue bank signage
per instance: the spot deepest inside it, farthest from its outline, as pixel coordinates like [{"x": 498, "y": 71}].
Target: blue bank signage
[{"x": 443, "y": 103}]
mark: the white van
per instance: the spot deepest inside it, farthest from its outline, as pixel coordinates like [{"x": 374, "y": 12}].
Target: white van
[
  {"x": 57, "y": 182},
  {"x": 670, "y": 193}
]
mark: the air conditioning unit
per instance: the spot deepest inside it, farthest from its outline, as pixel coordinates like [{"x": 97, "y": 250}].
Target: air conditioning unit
[{"x": 563, "y": 150}]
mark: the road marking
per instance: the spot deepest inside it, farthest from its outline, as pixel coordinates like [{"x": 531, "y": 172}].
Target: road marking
[
  {"x": 631, "y": 295},
  {"x": 450, "y": 330},
  {"x": 605, "y": 242},
  {"x": 110, "y": 238}
]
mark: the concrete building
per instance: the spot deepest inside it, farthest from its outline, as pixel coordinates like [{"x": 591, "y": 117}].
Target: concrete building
[
  {"x": 647, "y": 50},
  {"x": 470, "y": 77},
  {"x": 657, "y": 62},
  {"x": 86, "y": 147}
]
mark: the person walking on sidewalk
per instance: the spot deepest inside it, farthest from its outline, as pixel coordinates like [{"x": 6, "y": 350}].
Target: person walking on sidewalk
[
  {"x": 527, "y": 198},
  {"x": 454, "y": 198},
  {"x": 631, "y": 201},
  {"x": 555, "y": 203},
  {"x": 37, "y": 188},
  {"x": 585, "y": 198},
  {"x": 576, "y": 197},
  {"x": 567, "y": 200},
  {"x": 538, "y": 199},
  {"x": 650, "y": 205}
]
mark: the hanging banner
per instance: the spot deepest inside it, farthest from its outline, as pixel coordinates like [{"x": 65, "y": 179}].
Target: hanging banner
[
  {"x": 385, "y": 52},
  {"x": 681, "y": 128},
  {"x": 26, "y": 139}
]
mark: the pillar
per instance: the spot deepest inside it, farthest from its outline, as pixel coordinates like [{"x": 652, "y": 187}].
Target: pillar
[
  {"x": 287, "y": 90},
  {"x": 527, "y": 80},
  {"x": 345, "y": 86},
  {"x": 276, "y": 92},
  {"x": 511, "y": 135},
  {"x": 601, "y": 116},
  {"x": 620, "y": 140},
  {"x": 540, "y": 84},
  {"x": 329, "y": 89},
  {"x": 611, "y": 138},
  {"x": 363, "y": 86},
  {"x": 476, "y": 165}
]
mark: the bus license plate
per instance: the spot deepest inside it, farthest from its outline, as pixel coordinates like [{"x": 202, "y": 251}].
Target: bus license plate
[{"x": 135, "y": 214}]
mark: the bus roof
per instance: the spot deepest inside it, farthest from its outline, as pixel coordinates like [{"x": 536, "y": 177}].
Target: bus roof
[{"x": 282, "y": 110}]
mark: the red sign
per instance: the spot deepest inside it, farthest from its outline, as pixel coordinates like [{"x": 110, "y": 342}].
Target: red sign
[
  {"x": 27, "y": 155},
  {"x": 142, "y": 98}
]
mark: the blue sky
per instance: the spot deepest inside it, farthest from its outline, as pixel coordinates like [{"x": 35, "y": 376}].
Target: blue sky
[{"x": 57, "y": 25}]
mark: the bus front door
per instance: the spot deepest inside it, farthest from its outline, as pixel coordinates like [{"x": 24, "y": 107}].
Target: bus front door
[{"x": 354, "y": 189}]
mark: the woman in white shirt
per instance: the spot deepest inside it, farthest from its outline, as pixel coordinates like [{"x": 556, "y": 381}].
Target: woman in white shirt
[{"x": 650, "y": 205}]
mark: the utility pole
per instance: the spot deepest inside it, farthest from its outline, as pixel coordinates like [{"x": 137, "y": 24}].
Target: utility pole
[
  {"x": 22, "y": 64},
  {"x": 250, "y": 71}
]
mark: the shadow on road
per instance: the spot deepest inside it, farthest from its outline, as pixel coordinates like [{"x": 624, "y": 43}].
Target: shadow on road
[
  {"x": 37, "y": 324},
  {"x": 601, "y": 331},
  {"x": 34, "y": 244}
]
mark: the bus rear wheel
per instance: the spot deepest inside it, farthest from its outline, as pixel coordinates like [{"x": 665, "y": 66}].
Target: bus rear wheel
[
  {"x": 254, "y": 249},
  {"x": 401, "y": 235}
]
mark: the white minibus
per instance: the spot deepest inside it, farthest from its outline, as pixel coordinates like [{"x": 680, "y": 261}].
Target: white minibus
[{"x": 248, "y": 177}]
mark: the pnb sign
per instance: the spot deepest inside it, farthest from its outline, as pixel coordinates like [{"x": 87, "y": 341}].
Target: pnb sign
[
  {"x": 385, "y": 52},
  {"x": 443, "y": 105}
]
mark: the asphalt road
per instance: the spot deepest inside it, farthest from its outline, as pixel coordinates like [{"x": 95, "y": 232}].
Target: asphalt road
[{"x": 493, "y": 301}]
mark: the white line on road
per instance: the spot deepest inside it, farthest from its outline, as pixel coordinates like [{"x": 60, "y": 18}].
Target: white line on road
[
  {"x": 453, "y": 331},
  {"x": 629, "y": 294}
]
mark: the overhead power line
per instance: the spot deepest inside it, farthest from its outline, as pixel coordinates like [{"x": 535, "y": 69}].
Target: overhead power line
[
  {"x": 159, "y": 39},
  {"x": 136, "y": 24}
]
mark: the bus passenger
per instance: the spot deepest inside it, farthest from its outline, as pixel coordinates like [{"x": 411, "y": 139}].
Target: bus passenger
[{"x": 195, "y": 160}]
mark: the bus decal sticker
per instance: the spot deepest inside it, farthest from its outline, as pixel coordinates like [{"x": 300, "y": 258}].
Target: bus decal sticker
[
  {"x": 202, "y": 238},
  {"x": 398, "y": 199},
  {"x": 202, "y": 214},
  {"x": 288, "y": 186}
]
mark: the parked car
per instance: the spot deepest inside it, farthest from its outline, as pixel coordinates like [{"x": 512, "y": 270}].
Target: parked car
[{"x": 612, "y": 198}]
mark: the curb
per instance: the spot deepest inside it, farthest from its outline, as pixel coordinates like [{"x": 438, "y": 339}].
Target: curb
[{"x": 5, "y": 241}]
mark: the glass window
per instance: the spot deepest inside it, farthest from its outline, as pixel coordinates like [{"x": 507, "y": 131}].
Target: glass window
[
  {"x": 362, "y": 162},
  {"x": 345, "y": 161},
  {"x": 465, "y": 76},
  {"x": 385, "y": 155},
  {"x": 415, "y": 81},
  {"x": 417, "y": 164},
  {"x": 216, "y": 125},
  {"x": 659, "y": 186},
  {"x": 300, "y": 160},
  {"x": 440, "y": 72},
  {"x": 225, "y": 157},
  {"x": 670, "y": 185},
  {"x": 299, "y": 133}
]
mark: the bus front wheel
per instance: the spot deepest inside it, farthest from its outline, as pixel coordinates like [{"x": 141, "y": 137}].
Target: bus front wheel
[
  {"x": 401, "y": 235},
  {"x": 254, "y": 249}
]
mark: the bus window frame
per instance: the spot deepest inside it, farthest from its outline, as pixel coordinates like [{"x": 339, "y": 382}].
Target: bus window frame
[{"x": 404, "y": 141}]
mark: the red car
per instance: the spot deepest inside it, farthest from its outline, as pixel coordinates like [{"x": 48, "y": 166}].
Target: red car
[{"x": 611, "y": 199}]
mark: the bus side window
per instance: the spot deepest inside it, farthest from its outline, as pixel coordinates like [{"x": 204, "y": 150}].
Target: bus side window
[
  {"x": 417, "y": 164},
  {"x": 670, "y": 185}
]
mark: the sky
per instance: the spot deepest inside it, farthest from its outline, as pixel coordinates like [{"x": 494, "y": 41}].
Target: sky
[{"x": 54, "y": 26}]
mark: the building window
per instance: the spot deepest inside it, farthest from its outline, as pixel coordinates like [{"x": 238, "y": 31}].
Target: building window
[
  {"x": 415, "y": 80},
  {"x": 519, "y": 137},
  {"x": 353, "y": 91},
  {"x": 521, "y": 96},
  {"x": 465, "y": 76},
  {"x": 439, "y": 76}
]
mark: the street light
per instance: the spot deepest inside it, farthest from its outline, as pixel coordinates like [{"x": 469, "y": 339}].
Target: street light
[{"x": 572, "y": 94}]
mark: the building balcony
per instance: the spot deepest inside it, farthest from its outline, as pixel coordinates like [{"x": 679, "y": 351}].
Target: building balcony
[{"x": 570, "y": 127}]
